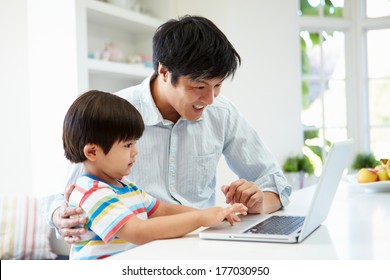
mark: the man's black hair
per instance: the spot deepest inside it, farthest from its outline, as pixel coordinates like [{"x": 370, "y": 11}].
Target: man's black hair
[{"x": 194, "y": 46}]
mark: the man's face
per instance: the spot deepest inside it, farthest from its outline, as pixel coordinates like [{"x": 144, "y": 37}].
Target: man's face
[{"x": 189, "y": 98}]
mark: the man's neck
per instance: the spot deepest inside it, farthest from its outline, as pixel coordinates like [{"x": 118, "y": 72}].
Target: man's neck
[{"x": 158, "y": 89}]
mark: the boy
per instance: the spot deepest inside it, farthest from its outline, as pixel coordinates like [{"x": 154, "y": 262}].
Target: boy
[{"x": 100, "y": 130}]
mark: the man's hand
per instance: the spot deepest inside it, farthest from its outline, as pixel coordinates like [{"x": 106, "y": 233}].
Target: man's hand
[
  {"x": 65, "y": 224},
  {"x": 249, "y": 194}
]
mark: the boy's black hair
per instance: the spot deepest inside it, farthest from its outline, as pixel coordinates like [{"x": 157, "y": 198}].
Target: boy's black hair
[
  {"x": 100, "y": 118},
  {"x": 194, "y": 46}
]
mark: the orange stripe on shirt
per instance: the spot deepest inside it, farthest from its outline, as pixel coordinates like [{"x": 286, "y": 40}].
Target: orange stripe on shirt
[
  {"x": 150, "y": 213},
  {"x": 139, "y": 210},
  {"x": 80, "y": 189},
  {"x": 89, "y": 192},
  {"x": 117, "y": 227}
]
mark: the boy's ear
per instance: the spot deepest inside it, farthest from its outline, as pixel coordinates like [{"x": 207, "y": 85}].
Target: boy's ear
[{"x": 90, "y": 151}]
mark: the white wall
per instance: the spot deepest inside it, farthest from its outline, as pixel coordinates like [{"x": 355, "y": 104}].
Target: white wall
[
  {"x": 15, "y": 139},
  {"x": 53, "y": 86},
  {"x": 38, "y": 83},
  {"x": 267, "y": 87}
]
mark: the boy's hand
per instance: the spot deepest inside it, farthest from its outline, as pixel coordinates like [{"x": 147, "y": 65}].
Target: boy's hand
[
  {"x": 233, "y": 210},
  {"x": 215, "y": 215}
]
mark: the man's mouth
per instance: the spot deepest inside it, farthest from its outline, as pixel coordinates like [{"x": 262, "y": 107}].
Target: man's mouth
[{"x": 198, "y": 107}]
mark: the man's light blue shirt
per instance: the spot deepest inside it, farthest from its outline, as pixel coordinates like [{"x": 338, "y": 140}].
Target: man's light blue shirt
[{"x": 177, "y": 162}]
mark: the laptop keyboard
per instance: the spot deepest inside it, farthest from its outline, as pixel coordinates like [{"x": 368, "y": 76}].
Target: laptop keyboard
[{"x": 277, "y": 225}]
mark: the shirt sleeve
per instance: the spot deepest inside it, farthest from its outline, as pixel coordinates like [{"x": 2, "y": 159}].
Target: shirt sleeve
[
  {"x": 250, "y": 158},
  {"x": 151, "y": 203},
  {"x": 105, "y": 212}
]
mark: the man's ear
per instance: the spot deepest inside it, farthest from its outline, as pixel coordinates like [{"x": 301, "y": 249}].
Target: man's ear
[
  {"x": 163, "y": 71},
  {"x": 90, "y": 151}
]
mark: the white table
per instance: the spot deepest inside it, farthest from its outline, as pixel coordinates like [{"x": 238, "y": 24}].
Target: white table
[{"x": 358, "y": 227}]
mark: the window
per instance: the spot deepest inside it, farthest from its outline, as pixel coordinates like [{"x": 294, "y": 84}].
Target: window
[
  {"x": 379, "y": 90},
  {"x": 345, "y": 93},
  {"x": 323, "y": 91},
  {"x": 324, "y": 117},
  {"x": 377, "y": 8}
]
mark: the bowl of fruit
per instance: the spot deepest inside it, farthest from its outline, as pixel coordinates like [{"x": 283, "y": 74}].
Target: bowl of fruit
[{"x": 375, "y": 179}]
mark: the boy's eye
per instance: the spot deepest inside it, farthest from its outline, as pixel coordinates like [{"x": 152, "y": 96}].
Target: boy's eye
[{"x": 128, "y": 145}]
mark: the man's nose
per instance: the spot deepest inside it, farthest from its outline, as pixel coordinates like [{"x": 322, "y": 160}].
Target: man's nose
[{"x": 208, "y": 97}]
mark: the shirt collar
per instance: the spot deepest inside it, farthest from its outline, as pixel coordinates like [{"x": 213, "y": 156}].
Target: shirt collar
[{"x": 150, "y": 112}]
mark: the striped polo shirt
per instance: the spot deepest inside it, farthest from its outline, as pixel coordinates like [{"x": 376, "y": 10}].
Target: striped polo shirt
[{"x": 107, "y": 208}]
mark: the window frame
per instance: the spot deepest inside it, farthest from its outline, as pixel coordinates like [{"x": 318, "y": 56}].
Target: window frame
[{"x": 355, "y": 26}]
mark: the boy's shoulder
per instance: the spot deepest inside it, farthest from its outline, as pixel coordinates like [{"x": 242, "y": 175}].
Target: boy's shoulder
[
  {"x": 128, "y": 183},
  {"x": 88, "y": 182}
]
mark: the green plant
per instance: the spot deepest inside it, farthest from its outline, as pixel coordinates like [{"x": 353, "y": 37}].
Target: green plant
[
  {"x": 298, "y": 164},
  {"x": 313, "y": 134},
  {"x": 329, "y": 9},
  {"x": 364, "y": 160}
]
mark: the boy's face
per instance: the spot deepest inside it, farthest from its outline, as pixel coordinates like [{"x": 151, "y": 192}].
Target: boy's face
[
  {"x": 189, "y": 98},
  {"x": 119, "y": 160}
]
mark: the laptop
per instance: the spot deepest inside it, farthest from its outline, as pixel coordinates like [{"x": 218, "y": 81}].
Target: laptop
[{"x": 287, "y": 228}]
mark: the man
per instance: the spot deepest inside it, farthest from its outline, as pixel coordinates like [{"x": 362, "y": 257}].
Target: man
[{"x": 189, "y": 126}]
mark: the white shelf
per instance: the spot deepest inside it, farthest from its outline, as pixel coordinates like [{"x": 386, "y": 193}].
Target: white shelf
[
  {"x": 98, "y": 23},
  {"x": 120, "y": 18},
  {"x": 117, "y": 69}
]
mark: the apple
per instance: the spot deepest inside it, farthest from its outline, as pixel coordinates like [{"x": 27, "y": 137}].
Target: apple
[
  {"x": 387, "y": 167},
  {"x": 367, "y": 175},
  {"x": 382, "y": 175}
]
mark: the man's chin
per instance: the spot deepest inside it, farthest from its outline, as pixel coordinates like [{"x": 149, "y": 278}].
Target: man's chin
[{"x": 192, "y": 119}]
